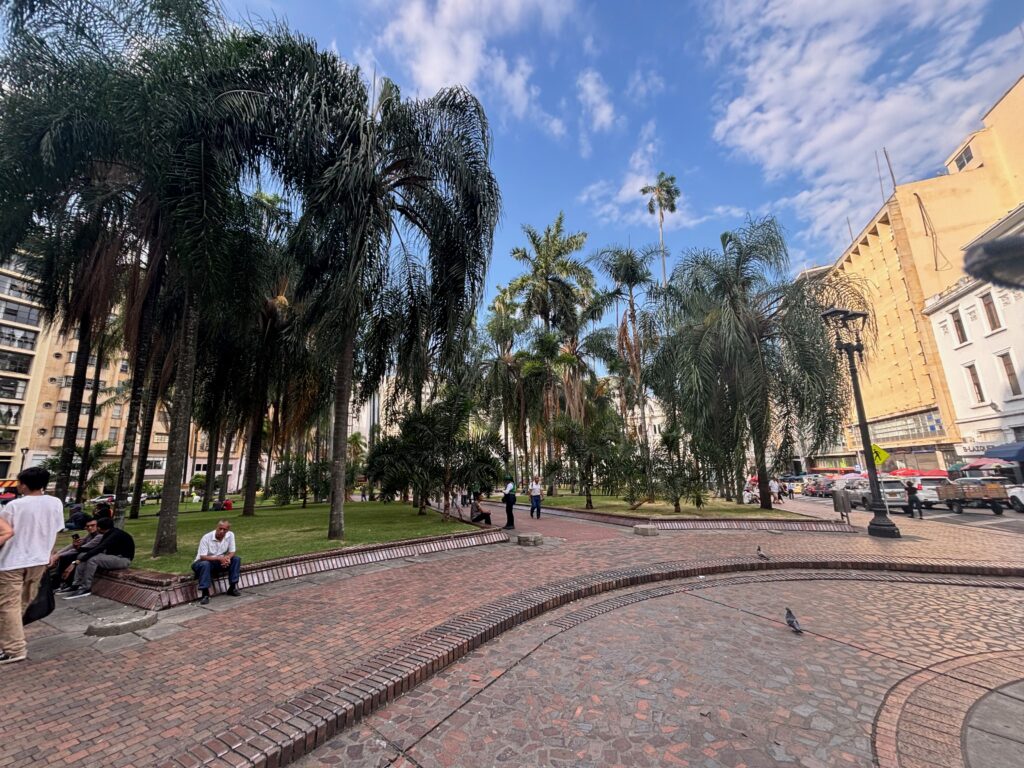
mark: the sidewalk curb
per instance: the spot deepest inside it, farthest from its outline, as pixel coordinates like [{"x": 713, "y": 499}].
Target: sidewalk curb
[{"x": 306, "y": 721}]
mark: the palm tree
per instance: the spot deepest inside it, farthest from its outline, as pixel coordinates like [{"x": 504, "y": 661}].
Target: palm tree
[
  {"x": 549, "y": 291},
  {"x": 750, "y": 331},
  {"x": 661, "y": 197},
  {"x": 365, "y": 173}
]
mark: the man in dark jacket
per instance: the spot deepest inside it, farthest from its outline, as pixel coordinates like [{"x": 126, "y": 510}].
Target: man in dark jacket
[
  {"x": 913, "y": 500},
  {"x": 115, "y": 552}
]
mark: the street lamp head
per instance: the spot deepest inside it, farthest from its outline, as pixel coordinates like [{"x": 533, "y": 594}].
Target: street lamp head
[
  {"x": 999, "y": 261},
  {"x": 845, "y": 319}
]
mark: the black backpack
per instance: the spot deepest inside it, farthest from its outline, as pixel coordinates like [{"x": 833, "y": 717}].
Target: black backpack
[{"x": 43, "y": 604}]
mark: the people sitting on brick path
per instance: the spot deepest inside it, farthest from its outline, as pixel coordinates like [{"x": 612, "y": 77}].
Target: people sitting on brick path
[
  {"x": 62, "y": 566},
  {"x": 216, "y": 555},
  {"x": 114, "y": 552},
  {"x": 477, "y": 513}
]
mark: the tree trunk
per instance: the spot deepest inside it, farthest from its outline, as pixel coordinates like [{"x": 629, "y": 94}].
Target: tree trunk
[
  {"x": 270, "y": 453},
  {"x": 131, "y": 425},
  {"x": 212, "y": 441},
  {"x": 661, "y": 242},
  {"x": 339, "y": 447},
  {"x": 151, "y": 400},
  {"x": 166, "y": 540},
  {"x": 762, "y": 476},
  {"x": 252, "y": 453},
  {"x": 224, "y": 472},
  {"x": 83, "y": 472},
  {"x": 67, "y": 449}
]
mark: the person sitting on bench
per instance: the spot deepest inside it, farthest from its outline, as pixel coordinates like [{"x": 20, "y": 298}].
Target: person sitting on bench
[
  {"x": 216, "y": 555},
  {"x": 115, "y": 552}
]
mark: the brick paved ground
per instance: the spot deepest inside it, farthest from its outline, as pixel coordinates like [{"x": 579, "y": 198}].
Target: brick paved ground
[{"x": 232, "y": 663}]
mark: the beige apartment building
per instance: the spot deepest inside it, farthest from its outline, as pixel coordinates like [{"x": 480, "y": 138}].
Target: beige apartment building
[
  {"x": 36, "y": 368},
  {"x": 910, "y": 250}
]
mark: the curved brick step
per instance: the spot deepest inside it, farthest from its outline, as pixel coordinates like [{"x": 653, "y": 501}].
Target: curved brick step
[
  {"x": 155, "y": 591},
  {"x": 304, "y": 722}
]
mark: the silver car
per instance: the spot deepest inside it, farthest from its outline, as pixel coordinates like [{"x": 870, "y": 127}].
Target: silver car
[
  {"x": 928, "y": 489},
  {"x": 859, "y": 492}
]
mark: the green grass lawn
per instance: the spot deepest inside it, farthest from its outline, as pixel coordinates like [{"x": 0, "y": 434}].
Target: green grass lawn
[
  {"x": 714, "y": 508},
  {"x": 282, "y": 531}
]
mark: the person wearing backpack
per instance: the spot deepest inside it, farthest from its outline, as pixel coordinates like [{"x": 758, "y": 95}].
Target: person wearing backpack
[{"x": 33, "y": 522}]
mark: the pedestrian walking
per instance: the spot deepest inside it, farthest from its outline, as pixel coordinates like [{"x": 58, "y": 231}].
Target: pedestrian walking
[
  {"x": 536, "y": 492},
  {"x": 510, "y": 501},
  {"x": 773, "y": 488},
  {"x": 782, "y": 491},
  {"x": 789, "y": 490},
  {"x": 30, "y": 529},
  {"x": 913, "y": 500}
]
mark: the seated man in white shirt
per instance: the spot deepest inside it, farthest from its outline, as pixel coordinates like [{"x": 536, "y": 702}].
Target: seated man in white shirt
[{"x": 217, "y": 554}]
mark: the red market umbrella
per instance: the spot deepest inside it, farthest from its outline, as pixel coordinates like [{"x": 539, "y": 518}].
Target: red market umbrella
[{"x": 905, "y": 472}]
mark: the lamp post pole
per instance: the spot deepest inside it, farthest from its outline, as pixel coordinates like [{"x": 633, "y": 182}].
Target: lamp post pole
[
  {"x": 24, "y": 455},
  {"x": 880, "y": 525}
]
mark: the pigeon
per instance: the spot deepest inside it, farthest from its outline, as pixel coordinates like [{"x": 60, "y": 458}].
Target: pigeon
[
  {"x": 793, "y": 623},
  {"x": 761, "y": 554}
]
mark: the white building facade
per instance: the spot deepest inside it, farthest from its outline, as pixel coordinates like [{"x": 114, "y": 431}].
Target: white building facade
[{"x": 979, "y": 330}]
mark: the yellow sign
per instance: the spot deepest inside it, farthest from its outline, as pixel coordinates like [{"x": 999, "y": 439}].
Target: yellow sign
[{"x": 880, "y": 454}]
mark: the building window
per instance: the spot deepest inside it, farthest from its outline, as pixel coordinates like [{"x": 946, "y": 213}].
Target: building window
[
  {"x": 58, "y": 432},
  {"x": 964, "y": 158},
  {"x": 17, "y": 337},
  {"x": 991, "y": 314},
  {"x": 1018, "y": 434},
  {"x": 68, "y": 381},
  {"x": 159, "y": 437},
  {"x": 15, "y": 363},
  {"x": 19, "y": 313},
  {"x": 958, "y": 326},
  {"x": 155, "y": 463},
  {"x": 64, "y": 405},
  {"x": 112, "y": 434},
  {"x": 115, "y": 411},
  {"x": 10, "y": 415},
  {"x": 972, "y": 375},
  {"x": 73, "y": 356},
  {"x": 12, "y": 286},
  {"x": 1011, "y": 373},
  {"x": 12, "y": 389},
  {"x": 5, "y": 467}
]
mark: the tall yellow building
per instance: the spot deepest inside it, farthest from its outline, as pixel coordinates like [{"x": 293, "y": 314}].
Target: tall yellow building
[{"x": 910, "y": 250}]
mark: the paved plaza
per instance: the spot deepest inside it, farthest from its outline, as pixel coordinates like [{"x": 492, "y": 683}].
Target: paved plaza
[{"x": 893, "y": 667}]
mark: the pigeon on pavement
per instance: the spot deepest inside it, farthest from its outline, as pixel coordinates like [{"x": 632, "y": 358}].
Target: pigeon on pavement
[
  {"x": 761, "y": 554},
  {"x": 793, "y": 623}
]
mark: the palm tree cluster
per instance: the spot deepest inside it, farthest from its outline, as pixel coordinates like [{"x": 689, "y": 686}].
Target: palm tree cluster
[
  {"x": 730, "y": 354},
  {"x": 137, "y": 141}
]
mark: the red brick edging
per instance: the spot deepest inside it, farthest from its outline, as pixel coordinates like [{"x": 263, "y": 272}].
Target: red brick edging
[
  {"x": 304, "y": 722},
  {"x": 156, "y": 591}
]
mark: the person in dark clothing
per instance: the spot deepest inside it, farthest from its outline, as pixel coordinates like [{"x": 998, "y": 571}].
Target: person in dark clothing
[
  {"x": 115, "y": 552},
  {"x": 913, "y": 500},
  {"x": 62, "y": 562},
  {"x": 510, "y": 501},
  {"x": 477, "y": 513},
  {"x": 77, "y": 519}
]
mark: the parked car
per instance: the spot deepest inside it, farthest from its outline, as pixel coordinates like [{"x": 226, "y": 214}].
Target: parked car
[
  {"x": 859, "y": 492},
  {"x": 928, "y": 490},
  {"x": 794, "y": 482},
  {"x": 108, "y": 498}
]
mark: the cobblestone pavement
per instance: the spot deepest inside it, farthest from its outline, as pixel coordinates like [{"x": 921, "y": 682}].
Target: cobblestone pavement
[
  {"x": 227, "y": 665},
  {"x": 706, "y": 678}
]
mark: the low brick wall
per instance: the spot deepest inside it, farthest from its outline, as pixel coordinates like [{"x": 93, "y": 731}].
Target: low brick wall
[{"x": 156, "y": 591}]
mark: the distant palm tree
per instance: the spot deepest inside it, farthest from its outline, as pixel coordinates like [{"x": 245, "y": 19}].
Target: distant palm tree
[{"x": 662, "y": 196}]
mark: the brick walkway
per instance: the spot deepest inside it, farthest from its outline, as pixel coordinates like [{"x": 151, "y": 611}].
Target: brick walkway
[{"x": 229, "y": 666}]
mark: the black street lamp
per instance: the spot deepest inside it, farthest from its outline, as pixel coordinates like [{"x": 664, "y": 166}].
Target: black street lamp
[
  {"x": 24, "y": 455},
  {"x": 847, "y": 325}
]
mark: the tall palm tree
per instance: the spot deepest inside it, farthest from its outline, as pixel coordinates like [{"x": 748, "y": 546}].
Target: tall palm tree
[
  {"x": 386, "y": 166},
  {"x": 661, "y": 197},
  {"x": 750, "y": 330}
]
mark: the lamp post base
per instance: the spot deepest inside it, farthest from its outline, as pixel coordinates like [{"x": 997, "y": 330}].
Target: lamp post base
[{"x": 881, "y": 525}]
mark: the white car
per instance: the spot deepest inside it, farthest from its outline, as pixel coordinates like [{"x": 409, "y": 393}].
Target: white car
[
  {"x": 859, "y": 492},
  {"x": 927, "y": 490}
]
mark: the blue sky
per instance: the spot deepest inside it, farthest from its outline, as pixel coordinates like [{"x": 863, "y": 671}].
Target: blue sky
[{"x": 761, "y": 106}]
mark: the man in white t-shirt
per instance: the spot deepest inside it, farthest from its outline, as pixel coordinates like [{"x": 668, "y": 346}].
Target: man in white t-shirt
[
  {"x": 35, "y": 520},
  {"x": 536, "y": 492},
  {"x": 217, "y": 554}
]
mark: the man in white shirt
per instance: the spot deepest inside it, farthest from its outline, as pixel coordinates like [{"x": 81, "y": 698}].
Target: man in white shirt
[
  {"x": 216, "y": 555},
  {"x": 510, "y": 501},
  {"x": 34, "y": 521},
  {"x": 536, "y": 491}
]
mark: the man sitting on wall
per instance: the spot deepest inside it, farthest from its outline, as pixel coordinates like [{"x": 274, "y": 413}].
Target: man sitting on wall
[
  {"x": 216, "y": 555},
  {"x": 115, "y": 552},
  {"x": 62, "y": 561}
]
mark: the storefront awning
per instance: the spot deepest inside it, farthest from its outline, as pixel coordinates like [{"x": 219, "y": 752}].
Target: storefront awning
[
  {"x": 8, "y": 483},
  {"x": 1008, "y": 452}
]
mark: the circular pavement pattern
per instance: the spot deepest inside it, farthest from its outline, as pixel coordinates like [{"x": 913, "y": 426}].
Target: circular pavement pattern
[{"x": 707, "y": 674}]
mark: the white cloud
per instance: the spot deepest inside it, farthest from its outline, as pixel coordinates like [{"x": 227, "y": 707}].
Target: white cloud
[
  {"x": 814, "y": 89},
  {"x": 454, "y": 42},
  {"x": 596, "y": 100},
  {"x": 644, "y": 84},
  {"x": 620, "y": 202}
]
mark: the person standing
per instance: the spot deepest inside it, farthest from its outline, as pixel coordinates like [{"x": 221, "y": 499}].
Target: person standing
[
  {"x": 773, "y": 487},
  {"x": 536, "y": 493},
  {"x": 31, "y": 527},
  {"x": 913, "y": 500},
  {"x": 217, "y": 554},
  {"x": 510, "y": 501}
]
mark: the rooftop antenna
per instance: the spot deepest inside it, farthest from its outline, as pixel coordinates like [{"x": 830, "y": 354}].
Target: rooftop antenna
[
  {"x": 878, "y": 167},
  {"x": 888, "y": 161},
  {"x": 849, "y": 227}
]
